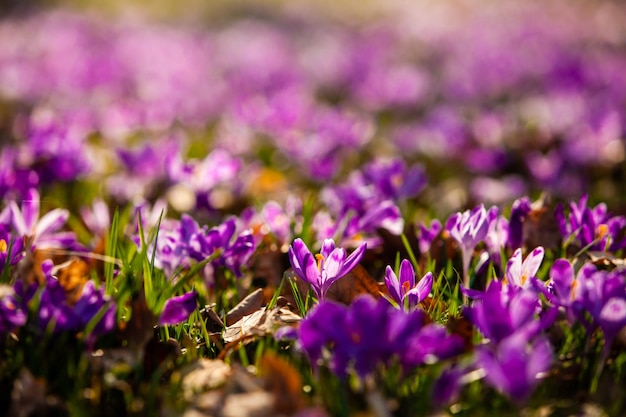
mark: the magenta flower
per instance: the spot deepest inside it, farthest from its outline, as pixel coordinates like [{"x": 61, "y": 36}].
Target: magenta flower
[
  {"x": 515, "y": 366},
  {"x": 403, "y": 289},
  {"x": 177, "y": 309},
  {"x": 323, "y": 269},
  {"x": 518, "y": 272}
]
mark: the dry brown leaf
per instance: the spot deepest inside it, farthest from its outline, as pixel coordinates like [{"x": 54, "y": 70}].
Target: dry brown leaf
[
  {"x": 73, "y": 276},
  {"x": 605, "y": 259},
  {"x": 250, "y": 304},
  {"x": 260, "y": 323},
  {"x": 204, "y": 375}
]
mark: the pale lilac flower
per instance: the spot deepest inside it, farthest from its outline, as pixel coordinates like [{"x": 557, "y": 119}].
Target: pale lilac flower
[
  {"x": 43, "y": 231},
  {"x": 469, "y": 229},
  {"x": 403, "y": 289},
  {"x": 323, "y": 269},
  {"x": 520, "y": 273}
]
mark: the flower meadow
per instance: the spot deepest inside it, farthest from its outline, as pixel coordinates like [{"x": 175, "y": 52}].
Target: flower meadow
[{"x": 289, "y": 211}]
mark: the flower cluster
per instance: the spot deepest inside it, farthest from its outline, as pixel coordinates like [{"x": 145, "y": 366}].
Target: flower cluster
[{"x": 370, "y": 333}]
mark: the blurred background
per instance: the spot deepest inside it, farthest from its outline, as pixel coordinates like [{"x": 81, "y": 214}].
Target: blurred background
[{"x": 492, "y": 100}]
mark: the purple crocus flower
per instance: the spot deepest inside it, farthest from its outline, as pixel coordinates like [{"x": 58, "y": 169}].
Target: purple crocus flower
[
  {"x": 323, "y": 269},
  {"x": 371, "y": 332},
  {"x": 177, "y": 309},
  {"x": 43, "y": 231},
  {"x": 520, "y": 273},
  {"x": 237, "y": 246},
  {"x": 12, "y": 314},
  {"x": 515, "y": 366},
  {"x": 430, "y": 344},
  {"x": 11, "y": 249},
  {"x": 403, "y": 289},
  {"x": 469, "y": 229},
  {"x": 519, "y": 211},
  {"x": 58, "y": 315},
  {"x": 505, "y": 309},
  {"x": 592, "y": 226},
  {"x": 427, "y": 235},
  {"x": 363, "y": 335}
]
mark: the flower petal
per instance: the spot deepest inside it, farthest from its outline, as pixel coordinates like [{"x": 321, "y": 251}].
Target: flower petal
[
  {"x": 353, "y": 259},
  {"x": 30, "y": 209},
  {"x": 51, "y": 222},
  {"x": 178, "y": 309},
  {"x": 533, "y": 262},
  {"x": 407, "y": 277},
  {"x": 393, "y": 285}
]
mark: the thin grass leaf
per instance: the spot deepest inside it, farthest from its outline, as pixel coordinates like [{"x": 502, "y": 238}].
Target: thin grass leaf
[
  {"x": 111, "y": 249},
  {"x": 412, "y": 257},
  {"x": 277, "y": 293},
  {"x": 297, "y": 297}
]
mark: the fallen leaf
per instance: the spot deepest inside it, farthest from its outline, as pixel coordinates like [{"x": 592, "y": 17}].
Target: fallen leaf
[
  {"x": 73, "y": 276},
  {"x": 606, "y": 259},
  {"x": 204, "y": 375},
  {"x": 260, "y": 323},
  {"x": 247, "y": 306}
]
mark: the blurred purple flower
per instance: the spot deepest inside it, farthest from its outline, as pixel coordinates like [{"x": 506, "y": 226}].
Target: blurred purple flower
[
  {"x": 403, "y": 289},
  {"x": 43, "y": 231},
  {"x": 427, "y": 235},
  {"x": 218, "y": 168},
  {"x": 56, "y": 145},
  {"x": 177, "y": 309},
  {"x": 323, "y": 269},
  {"x": 58, "y": 315},
  {"x": 592, "y": 226},
  {"x": 515, "y": 366},
  {"x": 237, "y": 246},
  {"x": 369, "y": 333},
  {"x": 519, "y": 211},
  {"x": 11, "y": 249},
  {"x": 428, "y": 345},
  {"x": 12, "y": 313},
  {"x": 504, "y": 310}
]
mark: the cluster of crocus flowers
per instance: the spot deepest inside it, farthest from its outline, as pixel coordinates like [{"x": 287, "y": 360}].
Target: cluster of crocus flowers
[
  {"x": 509, "y": 314},
  {"x": 592, "y": 227},
  {"x": 179, "y": 243},
  {"x": 325, "y": 268},
  {"x": 60, "y": 313},
  {"x": 369, "y": 333},
  {"x": 593, "y": 297}
]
